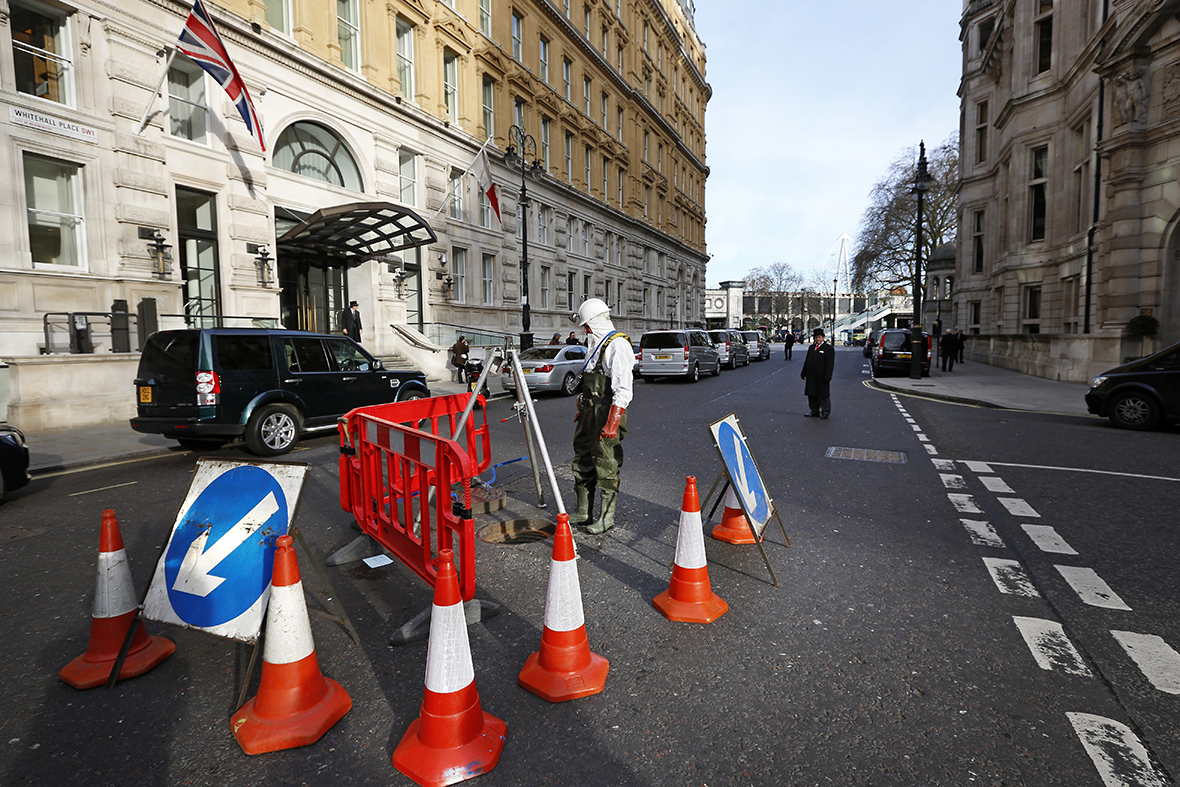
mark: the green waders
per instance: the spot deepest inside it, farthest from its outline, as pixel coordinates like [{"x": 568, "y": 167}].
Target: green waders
[{"x": 596, "y": 461}]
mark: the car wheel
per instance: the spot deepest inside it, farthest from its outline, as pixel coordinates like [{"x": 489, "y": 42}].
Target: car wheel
[
  {"x": 694, "y": 374},
  {"x": 202, "y": 443},
  {"x": 569, "y": 386},
  {"x": 273, "y": 430},
  {"x": 717, "y": 369},
  {"x": 412, "y": 396},
  {"x": 1134, "y": 410}
]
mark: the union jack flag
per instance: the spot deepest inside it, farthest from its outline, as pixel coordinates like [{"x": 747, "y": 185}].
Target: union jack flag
[{"x": 199, "y": 40}]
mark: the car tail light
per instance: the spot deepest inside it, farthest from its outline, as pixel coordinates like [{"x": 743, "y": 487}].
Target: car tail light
[
  {"x": 686, "y": 352},
  {"x": 546, "y": 368},
  {"x": 208, "y": 388}
]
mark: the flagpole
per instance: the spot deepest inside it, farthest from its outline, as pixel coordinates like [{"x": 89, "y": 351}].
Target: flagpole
[
  {"x": 143, "y": 121},
  {"x": 451, "y": 191}
]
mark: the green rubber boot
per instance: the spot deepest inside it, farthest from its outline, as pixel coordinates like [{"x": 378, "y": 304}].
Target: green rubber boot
[
  {"x": 606, "y": 520},
  {"x": 583, "y": 500}
]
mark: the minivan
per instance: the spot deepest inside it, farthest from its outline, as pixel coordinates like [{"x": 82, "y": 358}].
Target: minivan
[
  {"x": 759, "y": 347},
  {"x": 731, "y": 347},
  {"x": 683, "y": 353},
  {"x": 205, "y": 386},
  {"x": 1140, "y": 394}
]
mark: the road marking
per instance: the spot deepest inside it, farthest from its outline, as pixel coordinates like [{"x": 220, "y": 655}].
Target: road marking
[
  {"x": 1047, "y": 540},
  {"x": 930, "y": 449},
  {"x": 923, "y": 438},
  {"x": 964, "y": 504},
  {"x": 1091, "y": 588},
  {"x": 1018, "y": 507},
  {"x": 952, "y": 481},
  {"x": 978, "y": 467},
  {"x": 1118, "y": 754},
  {"x": 996, "y": 484},
  {"x": 943, "y": 464},
  {"x": 915, "y": 427},
  {"x": 1010, "y": 577},
  {"x": 103, "y": 488},
  {"x": 1085, "y": 470},
  {"x": 1156, "y": 659},
  {"x": 1050, "y": 647},
  {"x": 88, "y": 468},
  {"x": 982, "y": 533}
]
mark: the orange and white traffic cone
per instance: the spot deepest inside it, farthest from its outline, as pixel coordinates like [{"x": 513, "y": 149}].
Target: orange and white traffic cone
[
  {"x": 734, "y": 527},
  {"x": 453, "y": 739},
  {"x": 114, "y": 611},
  {"x": 690, "y": 598},
  {"x": 564, "y": 668},
  {"x": 295, "y": 704}
]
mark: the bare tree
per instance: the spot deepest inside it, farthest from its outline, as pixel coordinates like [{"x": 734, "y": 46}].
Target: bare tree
[
  {"x": 758, "y": 289},
  {"x": 783, "y": 281},
  {"x": 885, "y": 243}
]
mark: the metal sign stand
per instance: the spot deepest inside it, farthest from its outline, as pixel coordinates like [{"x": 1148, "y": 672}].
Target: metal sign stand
[{"x": 757, "y": 538}]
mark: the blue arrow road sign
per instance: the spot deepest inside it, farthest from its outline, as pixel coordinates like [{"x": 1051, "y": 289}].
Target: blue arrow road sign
[{"x": 742, "y": 472}]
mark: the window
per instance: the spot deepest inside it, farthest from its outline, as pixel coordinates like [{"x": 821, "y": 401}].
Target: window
[
  {"x": 1069, "y": 298},
  {"x": 485, "y": 17},
  {"x": 1044, "y": 36},
  {"x": 489, "y": 107},
  {"x": 545, "y": 133},
  {"x": 278, "y": 16},
  {"x": 517, "y": 37},
  {"x": 586, "y": 238},
  {"x": 566, "y": 6},
  {"x": 40, "y": 53},
  {"x": 489, "y": 269},
  {"x": 569, "y": 289},
  {"x": 977, "y": 241},
  {"x": 546, "y": 273},
  {"x": 586, "y": 286},
  {"x": 187, "y": 112},
  {"x": 605, "y": 103},
  {"x": 660, "y": 157},
  {"x": 586, "y": 95},
  {"x": 605, "y": 177},
  {"x": 981, "y": 132},
  {"x": 405, "y": 58},
  {"x": 1081, "y": 175},
  {"x": 348, "y": 33},
  {"x": 314, "y": 151},
  {"x": 619, "y": 186},
  {"x": 569, "y": 157},
  {"x": 54, "y": 211},
  {"x": 646, "y": 139},
  {"x": 983, "y": 34},
  {"x": 1038, "y": 193},
  {"x": 619, "y": 123},
  {"x": 456, "y": 192},
  {"x": 622, "y": 293},
  {"x": 619, "y": 262},
  {"x": 518, "y": 111},
  {"x": 543, "y": 64},
  {"x": 586, "y": 20},
  {"x": 569, "y": 233},
  {"x": 646, "y": 200},
  {"x": 974, "y": 311},
  {"x": 451, "y": 84},
  {"x": 589, "y": 153},
  {"x": 407, "y": 176},
  {"x": 619, "y": 54},
  {"x": 196, "y": 226},
  {"x": 544, "y": 214},
  {"x": 605, "y": 38},
  {"x": 1032, "y": 309},
  {"x": 485, "y": 209},
  {"x": 459, "y": 274},
  {"x": 566, "y": 75}
]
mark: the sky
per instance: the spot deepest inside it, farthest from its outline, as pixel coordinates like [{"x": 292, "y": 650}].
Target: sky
[{"x": 811, "y": 101}]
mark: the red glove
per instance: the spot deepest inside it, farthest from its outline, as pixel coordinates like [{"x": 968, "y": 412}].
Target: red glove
[{"x": 611, "y": 429}]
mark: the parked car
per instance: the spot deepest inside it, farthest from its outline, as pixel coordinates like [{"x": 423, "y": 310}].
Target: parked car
[
  {"x": 891, "y": 353},
  {"x": 731, "y": 348},
  {"x": 756, "y": 342},
  {"x": 204, "y": 387},
  {"x": 638, "y": 354},
  {"x": 870, "y": 342},
  {"x": 554, "y": 367},
  {"x": 1139, "y": 394},
  {"x": 684, "y": 353},
  {"x": 14, "y": 460}
]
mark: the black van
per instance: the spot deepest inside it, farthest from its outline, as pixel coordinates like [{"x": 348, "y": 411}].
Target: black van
[
  {"x": 1139, "y": 394},
  {"x": 204, "y": 387}
]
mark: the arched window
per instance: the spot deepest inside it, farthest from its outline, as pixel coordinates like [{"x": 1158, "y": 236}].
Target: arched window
[{"x": 314, "y": 151}]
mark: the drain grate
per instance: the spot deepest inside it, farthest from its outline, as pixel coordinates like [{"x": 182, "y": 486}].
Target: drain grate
[
  {"x": 866, "y": 455},
  {"x": 517, "y": 531}
]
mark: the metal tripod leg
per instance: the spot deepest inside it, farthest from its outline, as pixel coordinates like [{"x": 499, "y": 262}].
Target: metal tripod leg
[{"x": 536, "y": 429}]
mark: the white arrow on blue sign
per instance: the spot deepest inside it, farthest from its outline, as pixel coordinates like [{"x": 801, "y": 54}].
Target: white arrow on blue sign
[
  {"x": 743, "y": 473},
  {"x": 216, "y": 569}
]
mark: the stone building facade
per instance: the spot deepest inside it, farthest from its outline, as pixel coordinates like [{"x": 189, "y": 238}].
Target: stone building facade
[
  {"x": 1069, "y": 200},
  {"x": 361, "y": 105}
]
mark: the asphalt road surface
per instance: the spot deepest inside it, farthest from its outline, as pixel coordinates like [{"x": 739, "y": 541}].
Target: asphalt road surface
[{"x": 975, "y": 596}]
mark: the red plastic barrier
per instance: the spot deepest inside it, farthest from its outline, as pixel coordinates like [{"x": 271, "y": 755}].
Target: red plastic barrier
[{"x": 398, "y": 465}]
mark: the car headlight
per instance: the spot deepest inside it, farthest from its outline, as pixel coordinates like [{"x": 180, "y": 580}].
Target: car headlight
[{"x": 1097, "y": 381}]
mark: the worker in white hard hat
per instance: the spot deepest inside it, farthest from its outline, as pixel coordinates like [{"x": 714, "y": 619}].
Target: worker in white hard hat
[{"x": 606, "y": 391}]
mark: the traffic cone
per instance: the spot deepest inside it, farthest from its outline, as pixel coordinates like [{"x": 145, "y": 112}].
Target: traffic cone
[
  {"x": 689, "y": 598},
  {"x": 114, "y": 610},
  {"x": 295, "y": 704},
  {"x": 564, "y": 668},
  {"x": 453, "y": 739},
  {"x": 734, "y": 527}
]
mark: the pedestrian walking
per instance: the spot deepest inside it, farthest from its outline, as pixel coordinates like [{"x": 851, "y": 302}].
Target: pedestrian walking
[
  {"x": 601, "y": 422},
  {"x": 962, "y": 340},
  {"x": 555, "y": 340},
  {"x": 460, "y": 351},
  {"x": 817, "y": 374},
  {"x": 350, "y": 321},
  {"x": 572, "y": 339},
  {"x": 948, "y": 349},
  {"x": 788, "y": 342}
]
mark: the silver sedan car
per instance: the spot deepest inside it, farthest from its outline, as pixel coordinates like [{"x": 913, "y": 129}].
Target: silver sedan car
[{"x": 555, "y": 367}]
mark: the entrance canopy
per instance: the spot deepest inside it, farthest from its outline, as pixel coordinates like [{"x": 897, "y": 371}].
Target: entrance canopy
[{"x": 360, "y": 231}]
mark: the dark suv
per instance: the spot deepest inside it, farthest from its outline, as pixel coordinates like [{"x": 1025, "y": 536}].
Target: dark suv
[
  {"x": 203, "y": 387},
  {"x": 891, "y": 352},
  {"x": 1140, "y": 394}
]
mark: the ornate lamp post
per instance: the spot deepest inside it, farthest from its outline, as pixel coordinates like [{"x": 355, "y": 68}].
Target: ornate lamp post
[
  {"x": 917, "y": 343},
  {"x": 521, "y": 148}
]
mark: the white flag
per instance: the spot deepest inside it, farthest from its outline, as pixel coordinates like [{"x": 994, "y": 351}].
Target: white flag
[{"x": 483, "y": 175}]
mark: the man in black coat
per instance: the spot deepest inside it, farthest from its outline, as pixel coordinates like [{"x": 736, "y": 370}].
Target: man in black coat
[
  {"x": 788, "y": 341},
  {"x": 817, "y": 372},
  {"x": 350, "y": 322}
]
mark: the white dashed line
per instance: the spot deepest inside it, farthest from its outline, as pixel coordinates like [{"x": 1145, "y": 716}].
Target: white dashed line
[
  {"x": 1118, "y": 754},
  {"x": 1156, "y": 659},
  {"x": 964, "y": 504},
  {"x": 952, "y": 481},
  {"x": 943, "y": 464},
  {"x": 982, "y": 533},
  {"x": 1018, "y": 507},
  {"x": 930, "y": 449},
  {"x": 1010, "y": 577},
  {"x": 1047, "y": 540},
  {"x": 996, "y": 484},
  {"x": 923, "y": 438},
  {"x": 1050, "y": 647},
  {"x": 1091, "y": 588},
  {"x": 978, "y": 467}
]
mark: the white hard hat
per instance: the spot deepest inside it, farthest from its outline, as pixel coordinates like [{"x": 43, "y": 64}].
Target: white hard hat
[{"x": 590, "y": 308}]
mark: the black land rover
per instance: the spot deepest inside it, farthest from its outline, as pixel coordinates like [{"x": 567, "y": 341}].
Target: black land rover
[{"x": 204, "y": 387}]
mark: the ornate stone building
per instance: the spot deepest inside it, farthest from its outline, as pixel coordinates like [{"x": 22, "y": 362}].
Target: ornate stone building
[
  {"x": 368, "y": 111},
  {"x": 1070, "y": 203}
]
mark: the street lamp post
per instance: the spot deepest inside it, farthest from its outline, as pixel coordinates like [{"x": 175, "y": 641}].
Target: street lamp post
[
  {"x": 835, "y": 286},
  {"x": 917, "y": 344},
  {"x": 521, "y": 148}
]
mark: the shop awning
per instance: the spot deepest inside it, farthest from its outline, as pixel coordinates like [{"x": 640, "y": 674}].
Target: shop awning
[{"x": 360, "y": 231}]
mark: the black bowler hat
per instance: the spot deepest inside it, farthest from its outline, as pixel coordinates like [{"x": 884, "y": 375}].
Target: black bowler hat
[
  {"x": 352, "y": 303},
  {"x": 818, "y": 332}
]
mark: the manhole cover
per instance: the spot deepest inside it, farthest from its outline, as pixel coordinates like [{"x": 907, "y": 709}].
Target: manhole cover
[
  {"x": 517, "y": 531},
  {"x": 866, "y": 455}
]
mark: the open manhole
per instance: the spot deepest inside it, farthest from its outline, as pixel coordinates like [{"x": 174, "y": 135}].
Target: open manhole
[{"x": 517, "y": 531}]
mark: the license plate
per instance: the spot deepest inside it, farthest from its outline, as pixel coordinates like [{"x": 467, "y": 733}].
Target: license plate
[
  {"x": 902, "y": 355},
  {"x": 527, "y": 371},
  {"x": 145, "y": 394},
  {"x": 663, "y": 357}
]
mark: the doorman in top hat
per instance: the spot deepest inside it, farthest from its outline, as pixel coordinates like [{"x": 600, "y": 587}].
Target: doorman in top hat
[
  {"x": 350, "y": 321},
  {"x": 817, "y": 372},
  {"x": 601, "y": 422}
]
